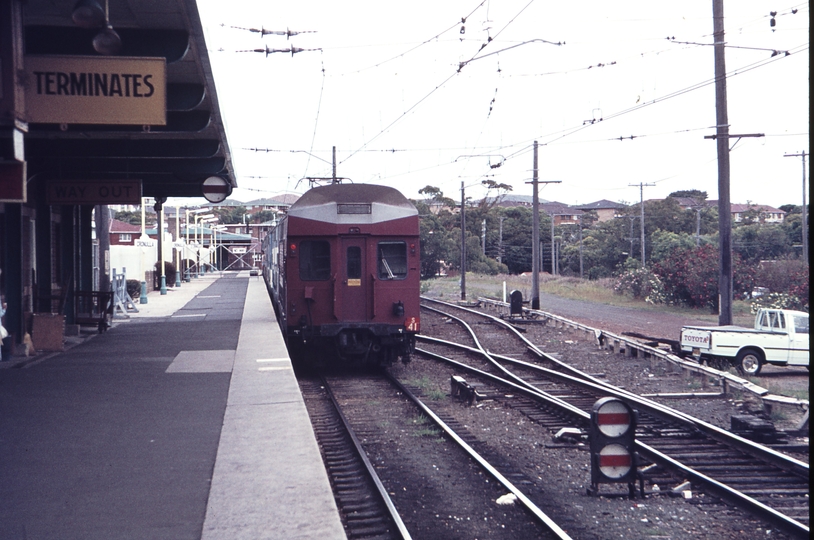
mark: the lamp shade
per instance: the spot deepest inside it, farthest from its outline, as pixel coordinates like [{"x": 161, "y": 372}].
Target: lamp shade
[
  {"x": 88, "y": 14},
  {"x": 107, "y": 41}
]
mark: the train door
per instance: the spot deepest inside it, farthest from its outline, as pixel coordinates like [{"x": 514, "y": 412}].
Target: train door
[{"x": 353, "y": 286}]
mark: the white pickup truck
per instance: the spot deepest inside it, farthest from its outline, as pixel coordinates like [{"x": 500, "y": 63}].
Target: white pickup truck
[{"x": 780, "y": 337}]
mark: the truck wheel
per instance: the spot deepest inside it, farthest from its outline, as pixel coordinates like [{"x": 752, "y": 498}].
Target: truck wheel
[{"x": 749, "y": 362}]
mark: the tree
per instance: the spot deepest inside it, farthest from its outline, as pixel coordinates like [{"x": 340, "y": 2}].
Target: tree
[
  {"x": 134, "y": 218},
  {"x": 517, "y": 225},
  {"x": 501, "y": 189},
  {"x": 433, "y": 194},
  {"x": 665, "y": 242},
  {"x": 263, "y": 216},
  {"x": 437, "y": 242},
  {"x": 696, "y": 194},
  {"x": 755, "y": 242},
  {"x": 230, "y": 214}
]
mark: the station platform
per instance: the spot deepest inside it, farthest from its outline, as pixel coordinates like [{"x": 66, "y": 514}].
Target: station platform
[{"x": 184, "y": 421}]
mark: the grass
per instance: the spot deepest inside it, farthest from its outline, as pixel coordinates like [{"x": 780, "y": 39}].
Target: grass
[
  {"x": 425, "y": 428},
  {"x": 796, "y": 394},
  {"x": 597, "y": 291},
  {"x": 425, "y": 385}
]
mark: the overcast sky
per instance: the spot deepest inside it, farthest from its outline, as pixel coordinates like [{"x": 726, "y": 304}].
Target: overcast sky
[{"x": 412, "y": 96}]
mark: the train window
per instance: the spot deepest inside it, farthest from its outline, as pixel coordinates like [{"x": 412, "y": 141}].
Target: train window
[
  {"x": 354, "y": 262},
  {"x": 315, "y": 260},
  {"x": 392, "y": 260}
]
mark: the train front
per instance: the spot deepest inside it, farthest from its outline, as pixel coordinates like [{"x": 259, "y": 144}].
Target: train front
[{"x": 352, "y": 274}]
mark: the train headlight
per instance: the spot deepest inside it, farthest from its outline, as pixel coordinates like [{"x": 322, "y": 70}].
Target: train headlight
[{"x": 398, "y": 308}]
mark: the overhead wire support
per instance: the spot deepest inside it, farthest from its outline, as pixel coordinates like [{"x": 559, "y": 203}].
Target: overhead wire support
[
  {"x": 263, "y": 32},
  {"x": 774, "y": 52},
  {"x": 293, "y": 50},
  {"x": 466, "y": 62}
]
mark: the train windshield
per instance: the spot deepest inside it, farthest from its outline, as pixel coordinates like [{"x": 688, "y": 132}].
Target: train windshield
[
  {"x": 315, "y": 260},
  {"x": 392, "y": 260}
]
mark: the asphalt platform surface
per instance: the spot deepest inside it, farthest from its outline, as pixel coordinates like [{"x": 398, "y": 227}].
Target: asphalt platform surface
[{"x": 118, "y": 436}]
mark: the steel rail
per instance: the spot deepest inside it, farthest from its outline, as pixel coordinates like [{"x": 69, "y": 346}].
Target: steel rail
[
  {"x": 718, "y": 487},
  {"x": 394, "y": 514},
  {"x": 775, "y": 458},
  {"x": 721, "y": 435},
  {"x": 527, "y": 503}
]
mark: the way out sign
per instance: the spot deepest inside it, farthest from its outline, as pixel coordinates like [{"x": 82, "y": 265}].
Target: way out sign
[
  {"x": 216, "y": 189},
  {"x": 94, "y": 192},
  {"x": 613, "y": 444}
]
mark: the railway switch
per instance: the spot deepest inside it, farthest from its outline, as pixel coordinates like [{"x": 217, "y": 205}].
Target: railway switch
[{"x": 612, "y": 439}]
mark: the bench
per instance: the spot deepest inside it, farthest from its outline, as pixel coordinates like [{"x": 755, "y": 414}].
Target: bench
[{"x": 93, "y": 307}]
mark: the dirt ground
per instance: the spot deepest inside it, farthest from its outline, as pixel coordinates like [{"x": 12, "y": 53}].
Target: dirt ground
[{"x": 562, "y": 473}]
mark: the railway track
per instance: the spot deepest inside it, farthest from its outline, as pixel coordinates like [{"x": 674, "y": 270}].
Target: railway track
[
  {"x": 364, "y": 505},
  {"x": 347, "y": 413},
  {"x": 755, "y": 477}
]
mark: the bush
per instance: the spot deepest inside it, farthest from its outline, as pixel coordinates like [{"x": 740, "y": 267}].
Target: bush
[
  {"x": 169, "y": 273},
  {"x": 690, "y": 276},
  {"x": 134, "y": 288},
  {"x": 779, "y": 301},
  {"x": 641, "y": 283},
  {"x": 785, "y": 276}
]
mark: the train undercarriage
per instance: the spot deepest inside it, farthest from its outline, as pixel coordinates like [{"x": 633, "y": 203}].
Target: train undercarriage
[{"x": 360, "y": 344}]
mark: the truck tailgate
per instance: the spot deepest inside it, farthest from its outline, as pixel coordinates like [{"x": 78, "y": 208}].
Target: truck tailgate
[{"x": 695, "y": 338}]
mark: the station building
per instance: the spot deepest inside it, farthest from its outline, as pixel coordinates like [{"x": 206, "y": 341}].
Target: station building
[{"x": 101, "y": 103}]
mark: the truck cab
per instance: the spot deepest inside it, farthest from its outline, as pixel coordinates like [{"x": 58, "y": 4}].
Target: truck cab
[{"x": 793, "y": 324}]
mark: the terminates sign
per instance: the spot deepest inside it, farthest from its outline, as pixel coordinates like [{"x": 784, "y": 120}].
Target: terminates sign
[{"x": 96, "y": 90}]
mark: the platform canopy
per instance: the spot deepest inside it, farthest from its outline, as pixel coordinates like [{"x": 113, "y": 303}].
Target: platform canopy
[{"x": 171, "y": 158}]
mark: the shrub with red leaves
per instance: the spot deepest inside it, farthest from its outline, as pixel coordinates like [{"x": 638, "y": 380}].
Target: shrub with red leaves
[{"x": 690, "y": 276}]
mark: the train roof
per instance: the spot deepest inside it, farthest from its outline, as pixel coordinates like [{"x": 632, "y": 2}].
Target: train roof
[{"x": 352, "y": 203}]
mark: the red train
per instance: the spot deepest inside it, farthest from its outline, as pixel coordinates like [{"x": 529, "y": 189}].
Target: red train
[{"x": 342, "y": 268}]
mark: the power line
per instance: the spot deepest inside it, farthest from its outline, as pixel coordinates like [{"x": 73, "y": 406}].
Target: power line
[{"x": 263, "y": 32}]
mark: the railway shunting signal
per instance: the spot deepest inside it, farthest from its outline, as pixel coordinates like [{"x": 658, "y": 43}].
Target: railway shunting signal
[{"x": 612, "y": 439}]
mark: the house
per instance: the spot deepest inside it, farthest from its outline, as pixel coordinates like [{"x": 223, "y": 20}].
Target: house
[
  {"x": 279, "y": 204},
  {"x": 123, "y": 233},
  {"x": 765, "y": 213},
  {"x": 561, "y": 213},
  {"x": 605, "y": 209}
]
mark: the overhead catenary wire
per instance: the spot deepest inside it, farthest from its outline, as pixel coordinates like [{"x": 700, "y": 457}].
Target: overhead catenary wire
[{"x": 431, "y": 92}]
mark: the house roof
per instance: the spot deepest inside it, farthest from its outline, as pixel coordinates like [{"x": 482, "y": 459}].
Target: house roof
[
  {"x": 604, "y": 204},
  {"x": 119, "y": 227},
  {"x": 764, "y": 208},
  {"x": 556, "y": 208},
  {"x": 281, "y": 200}
]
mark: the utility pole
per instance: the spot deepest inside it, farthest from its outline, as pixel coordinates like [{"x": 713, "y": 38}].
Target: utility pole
[
  {"x": 580, "y": 247},
  {"x": 722, "y": 137},
  {"x": 553, "y": 255},
  {"x": 483, "y": 236},
  {"x": 500, "y": 241},
  {"x": 805, "y": 216},
  {"x": 641, "y": 215},
  {"x": 535, "y": 236},
  {"x": 535, "y": 233},
  {"x": 722, "y": 132},
  {"x": 463, "y": 242},
  {"x": 333, "y": 177}
]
